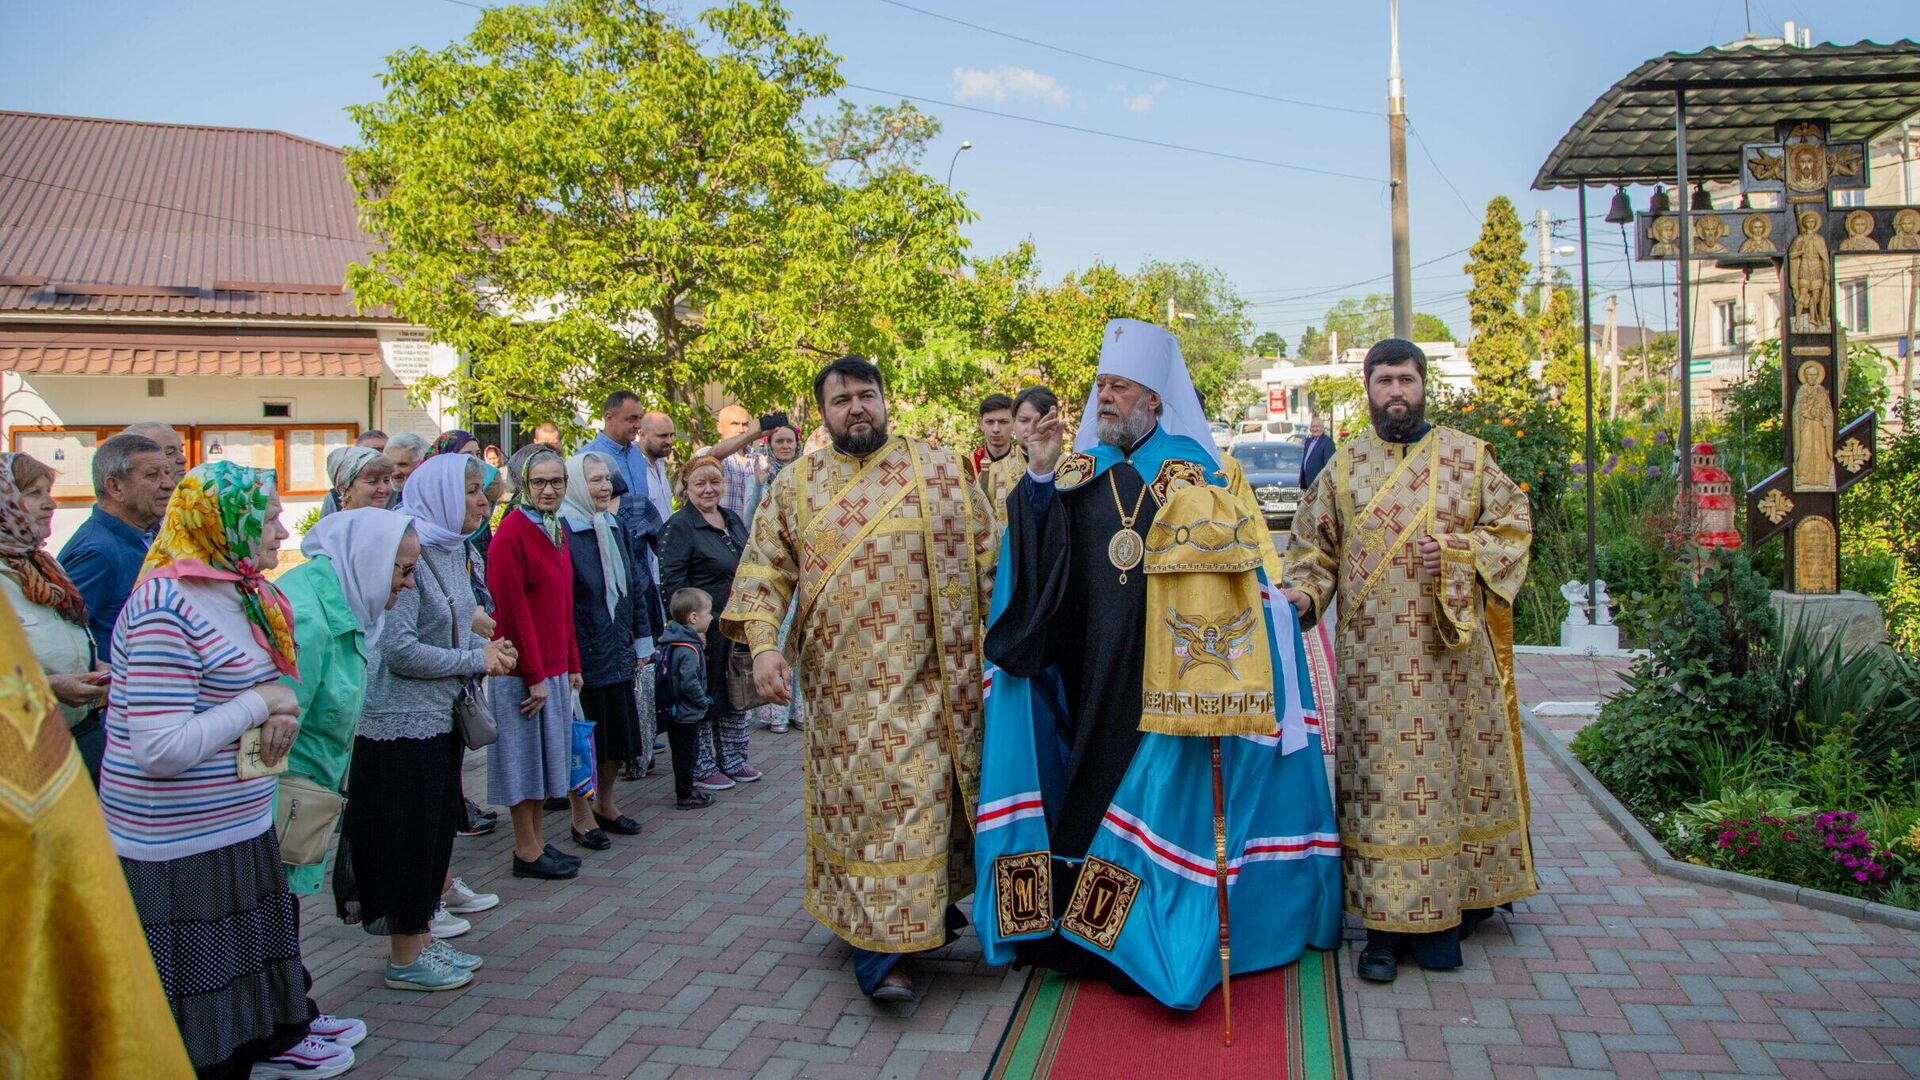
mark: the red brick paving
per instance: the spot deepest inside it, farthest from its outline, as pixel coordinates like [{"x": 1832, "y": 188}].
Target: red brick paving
[{"x": 686, "y": 954}]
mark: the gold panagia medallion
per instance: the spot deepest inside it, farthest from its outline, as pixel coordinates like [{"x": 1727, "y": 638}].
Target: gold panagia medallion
[{"x": 1124, "y": 551}]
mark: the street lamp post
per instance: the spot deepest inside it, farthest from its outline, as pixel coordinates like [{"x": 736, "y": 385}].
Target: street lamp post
[{"x": 965, "y": 145}]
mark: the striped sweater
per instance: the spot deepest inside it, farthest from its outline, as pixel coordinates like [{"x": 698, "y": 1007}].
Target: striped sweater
[{"x": 179, "y": 700}]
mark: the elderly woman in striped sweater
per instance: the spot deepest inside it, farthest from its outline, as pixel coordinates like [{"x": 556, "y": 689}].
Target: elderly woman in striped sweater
[{"x": 194, "y": 706}]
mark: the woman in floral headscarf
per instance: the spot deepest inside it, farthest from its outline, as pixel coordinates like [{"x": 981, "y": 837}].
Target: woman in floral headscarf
[
  {"x": 49, "y": 605},
  {"x": 204, "y": 639},
  {"x": 457, "y": 441}
]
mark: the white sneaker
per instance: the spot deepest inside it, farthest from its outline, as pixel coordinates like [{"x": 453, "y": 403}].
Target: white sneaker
[
  {"x": 338, "y": 1030},
  {"x": 446, "y": 924},
  {"x": 312, "y": 1058},
  {"x": 464, "y": 901}
]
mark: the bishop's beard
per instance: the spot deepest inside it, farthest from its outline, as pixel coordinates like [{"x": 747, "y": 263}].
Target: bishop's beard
[{"x": 1401, "y": 428}]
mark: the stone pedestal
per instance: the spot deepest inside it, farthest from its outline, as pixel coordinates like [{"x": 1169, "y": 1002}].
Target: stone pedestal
[
  {"x": 1858, "y": 618},
  {"x": 1577, "y": 635}
]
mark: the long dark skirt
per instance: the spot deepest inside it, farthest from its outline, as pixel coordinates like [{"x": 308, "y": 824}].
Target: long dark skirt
[
  {"x": 225, "y": 937},
  {"x": 403, "y": 808},
  {"x": 616, "y": 721}
]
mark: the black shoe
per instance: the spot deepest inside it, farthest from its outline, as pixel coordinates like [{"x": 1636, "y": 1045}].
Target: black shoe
[
  {"x": 620, "y": 826},
  {"x": 896, "y": 990},
  {"x": 476, "y": 812},
  {"x": 546, "y": 867},
  {"x": 592, "y": 840},
  {"x": 557, "y": 804},
  {"x": 1380, "y": 962},
  {"x": 699, "y": 800},
  {"x": 552, "y": 852}
]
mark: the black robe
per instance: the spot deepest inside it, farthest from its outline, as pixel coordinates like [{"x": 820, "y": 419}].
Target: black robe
[{"x": 1069, "y": 611}]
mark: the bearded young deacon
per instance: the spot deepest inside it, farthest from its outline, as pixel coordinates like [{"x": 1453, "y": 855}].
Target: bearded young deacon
[
  {"x": 1134, "y": 628},
  {"x": 1423, "y": 541},
  {"x": 886, "y": 548}
]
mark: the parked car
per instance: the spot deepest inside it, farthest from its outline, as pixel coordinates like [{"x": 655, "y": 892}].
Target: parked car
[
  {"x": 1273, "y": 471},
  {"x": 1263, "y": 431},
  {"x": 1222, "y": 434}
]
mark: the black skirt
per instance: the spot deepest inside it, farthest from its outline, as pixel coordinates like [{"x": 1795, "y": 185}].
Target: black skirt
[
  {"x": 225, "y": 937},
  {"x": 616, "y": 721},
  {"x": 403, "y": 808}
]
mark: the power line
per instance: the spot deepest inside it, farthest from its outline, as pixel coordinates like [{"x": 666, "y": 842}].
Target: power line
[
  {"x": 1117, "y": 135},
  {"x": 1243, "y": 92},
  {"x": 1436, "y": 168},
  {"x": 1362, "y": 281}
]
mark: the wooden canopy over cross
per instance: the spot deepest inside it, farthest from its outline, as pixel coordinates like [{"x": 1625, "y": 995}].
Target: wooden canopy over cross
[{"x": 1804, "y": 236}]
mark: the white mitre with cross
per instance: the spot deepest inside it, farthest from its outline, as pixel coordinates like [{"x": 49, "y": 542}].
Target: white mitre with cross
[{"x": 1143, "y": 353}]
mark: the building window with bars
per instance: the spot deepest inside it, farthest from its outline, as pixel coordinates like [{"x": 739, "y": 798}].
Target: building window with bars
[
  {"x": 1726, "y": 323},
  {"x": 1853, "y": 305}
]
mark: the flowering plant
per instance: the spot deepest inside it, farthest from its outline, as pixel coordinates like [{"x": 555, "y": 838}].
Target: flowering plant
[{"x": 1823, "y": 851}]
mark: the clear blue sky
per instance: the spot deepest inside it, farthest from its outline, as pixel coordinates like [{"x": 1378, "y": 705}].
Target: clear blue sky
[{"x": 1491, "y": 87}]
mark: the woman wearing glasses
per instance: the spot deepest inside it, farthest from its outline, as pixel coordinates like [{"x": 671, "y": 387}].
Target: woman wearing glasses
[{"x": 530, "y": 575}]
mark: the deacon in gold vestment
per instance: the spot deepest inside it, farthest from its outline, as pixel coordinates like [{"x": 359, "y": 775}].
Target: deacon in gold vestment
[
  {"x": 889, "y": 549},
  {"x": 1424, "y": 541},
  {"x": 79, "y": 996}
]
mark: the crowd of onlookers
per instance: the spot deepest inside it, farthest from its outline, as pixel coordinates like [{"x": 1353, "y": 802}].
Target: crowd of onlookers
[{"x": 553, "y": 610}]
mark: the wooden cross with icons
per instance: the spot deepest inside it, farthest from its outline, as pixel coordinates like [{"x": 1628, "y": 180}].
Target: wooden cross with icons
[{"x": 1805, "y": 235}]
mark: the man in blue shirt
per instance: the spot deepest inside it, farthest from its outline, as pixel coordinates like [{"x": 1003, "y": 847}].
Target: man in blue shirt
[
  {"x": 619, "y": 426},
  {"x": 132, "y": 481}
]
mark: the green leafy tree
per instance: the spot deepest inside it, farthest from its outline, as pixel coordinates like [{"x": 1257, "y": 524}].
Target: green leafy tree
[
  {"x": 1336, "y": 398},
  {"x": 1559, "y": 345},
  {"x": 594, "y": 194},
  {"x": 1313, "y": 347},
  {"x": 1269, "y": 343},
  {"x": 1430, "y": 328},
  {"x": 1214, "y": 341},
  {"x": 1503, "y": 344}
]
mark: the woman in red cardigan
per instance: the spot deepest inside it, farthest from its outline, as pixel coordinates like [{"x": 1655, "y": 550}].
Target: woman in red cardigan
[{"x": 530, "y": 576}]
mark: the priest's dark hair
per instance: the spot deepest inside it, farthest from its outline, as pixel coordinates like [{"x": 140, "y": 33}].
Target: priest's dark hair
[
  {"x": 1394, "y": 351},
  {"x": 1041, "y": 398},
  {"x": 617, "y": 401},
  {"x": 995, "y": 403},
  {"x": 850, "y": 369}
]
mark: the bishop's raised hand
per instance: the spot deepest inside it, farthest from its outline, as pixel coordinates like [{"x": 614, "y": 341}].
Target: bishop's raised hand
[{"x": 1043, "y": 442}]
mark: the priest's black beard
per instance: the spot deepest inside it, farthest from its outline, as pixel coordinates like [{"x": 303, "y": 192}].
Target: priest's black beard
[
  {"x": 860, "y": 445},
  {"x": 1399, "y": 430}
]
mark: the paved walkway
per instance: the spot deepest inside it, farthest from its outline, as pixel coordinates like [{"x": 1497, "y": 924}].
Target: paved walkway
[{"x": 686, "y": 954}]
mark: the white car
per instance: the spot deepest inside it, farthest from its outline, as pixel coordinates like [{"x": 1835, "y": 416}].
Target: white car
[
  {"x": 1222, "y": 434},
  {"x": 1263, "y": 431}
]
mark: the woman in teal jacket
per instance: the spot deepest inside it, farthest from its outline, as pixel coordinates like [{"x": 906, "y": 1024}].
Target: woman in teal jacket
[{"x": 357, "y": 563}]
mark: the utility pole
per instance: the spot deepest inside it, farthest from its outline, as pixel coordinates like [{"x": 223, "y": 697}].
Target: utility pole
[
  {"x": 1545, "y": 225},
  {"x": 1397, "y": 152}
]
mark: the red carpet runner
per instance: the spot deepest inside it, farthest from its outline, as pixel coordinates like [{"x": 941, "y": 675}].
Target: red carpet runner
[{"x": 1286, "y": 1023}]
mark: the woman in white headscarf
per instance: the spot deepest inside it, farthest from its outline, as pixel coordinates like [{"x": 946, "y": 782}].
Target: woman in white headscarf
[
  {"x": 609, "y": 620},
  {"x": 358, "y": 563},
  {"x": 397, "y": 840},
  {"x": 359, "y": 477}
]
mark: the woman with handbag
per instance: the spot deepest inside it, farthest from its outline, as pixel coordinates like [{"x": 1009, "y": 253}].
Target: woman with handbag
[
  {"x": 609, "y": 622},
  {"x": 197, "y": 723},
  {"x": 404, "y": 780},
  {"x": 530, "y": 577},
  {"x": 358, "y": 561},
  {"x": 700, "y": 548}
]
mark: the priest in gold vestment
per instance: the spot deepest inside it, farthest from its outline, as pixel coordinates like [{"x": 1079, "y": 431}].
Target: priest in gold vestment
[
  {"x": 1424, "y": 541},
  {"x": 889, "y": 548}
]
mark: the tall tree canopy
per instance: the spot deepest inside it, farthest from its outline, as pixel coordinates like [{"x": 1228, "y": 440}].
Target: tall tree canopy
[
  {"x": 592, "y": 194},
  {"x": 1503, "y": 343},
  {"x": 1361, "y": 321}
]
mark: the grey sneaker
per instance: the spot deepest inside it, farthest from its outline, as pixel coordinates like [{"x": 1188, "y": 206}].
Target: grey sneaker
[
  {"x": 465, "y": 961},
  {"x": 428, "y": 973}
]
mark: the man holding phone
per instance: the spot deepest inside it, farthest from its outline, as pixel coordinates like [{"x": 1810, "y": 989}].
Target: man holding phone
[{"x": 738, "y": 432}]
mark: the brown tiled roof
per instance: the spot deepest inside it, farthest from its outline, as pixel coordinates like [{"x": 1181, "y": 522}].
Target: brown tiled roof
[
  {"x": 157, "y": 351},
  {"x": 170, "y": 219}
]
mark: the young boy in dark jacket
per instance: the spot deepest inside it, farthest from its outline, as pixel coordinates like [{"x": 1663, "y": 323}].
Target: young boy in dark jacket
[{"x": 689, "y": 613}]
